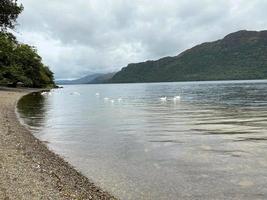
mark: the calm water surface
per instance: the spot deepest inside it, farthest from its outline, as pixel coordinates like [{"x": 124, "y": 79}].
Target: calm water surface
[{"x": 212, "y": 144}]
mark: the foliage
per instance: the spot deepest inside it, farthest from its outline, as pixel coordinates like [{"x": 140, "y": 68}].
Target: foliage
[
  {"x": 9, "y": 11},
  {"x": 21, "y": 63},
  {"x": 240, "y": 55}
]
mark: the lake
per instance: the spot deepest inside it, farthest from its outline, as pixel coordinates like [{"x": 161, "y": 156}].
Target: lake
[{"x": 209, "y": 144}]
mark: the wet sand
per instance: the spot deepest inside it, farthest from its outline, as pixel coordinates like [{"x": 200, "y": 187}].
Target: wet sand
[{"x": 28, "y": 169}]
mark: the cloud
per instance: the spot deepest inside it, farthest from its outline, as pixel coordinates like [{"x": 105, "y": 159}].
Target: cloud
[{"x": 87, "y": 36}]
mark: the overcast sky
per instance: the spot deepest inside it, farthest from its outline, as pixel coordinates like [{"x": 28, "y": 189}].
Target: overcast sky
[{"x": 79, "y": 37}]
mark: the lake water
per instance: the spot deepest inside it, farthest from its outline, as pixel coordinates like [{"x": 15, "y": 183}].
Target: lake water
[{"x": 210, "y": 144}]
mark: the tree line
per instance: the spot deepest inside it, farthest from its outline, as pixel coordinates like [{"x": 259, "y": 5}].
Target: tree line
[{"x": 19, "y": 63}]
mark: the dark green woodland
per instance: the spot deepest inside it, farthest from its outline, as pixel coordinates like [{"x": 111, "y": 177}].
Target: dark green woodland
[
  {"x": 238, "y": 56},
  {"x": 19, "y": 63}
]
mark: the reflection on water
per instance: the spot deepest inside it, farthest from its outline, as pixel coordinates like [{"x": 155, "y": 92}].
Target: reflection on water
[
  {"x": 212, "y": 144},
  {"x": 33, "y": 109}
]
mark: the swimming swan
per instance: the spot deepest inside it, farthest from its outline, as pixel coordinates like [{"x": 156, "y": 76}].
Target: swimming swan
[
  {"x": 46, "y": 93},
  {"x": 163, "y": 98},
  {"x": 176, "y": 98}
]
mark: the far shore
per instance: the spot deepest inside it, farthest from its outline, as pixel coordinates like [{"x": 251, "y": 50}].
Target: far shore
[{"x": 28, "y": 169}]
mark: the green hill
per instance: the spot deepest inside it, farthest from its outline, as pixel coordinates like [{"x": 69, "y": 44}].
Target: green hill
[
  {"x": 19, "y": 63},
  {"x": 240, "y": 55}
]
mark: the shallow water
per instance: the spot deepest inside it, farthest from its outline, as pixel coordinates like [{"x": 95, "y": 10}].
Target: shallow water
[{"x": 210, "y": 144}]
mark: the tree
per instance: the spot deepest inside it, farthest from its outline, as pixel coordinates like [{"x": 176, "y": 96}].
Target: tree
[
  {"x": 19, "y": 62},
  {"x": 9, "y": 12}
]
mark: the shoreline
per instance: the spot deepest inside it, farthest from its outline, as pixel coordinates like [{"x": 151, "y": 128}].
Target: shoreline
[{"x": 28, "y": 169}]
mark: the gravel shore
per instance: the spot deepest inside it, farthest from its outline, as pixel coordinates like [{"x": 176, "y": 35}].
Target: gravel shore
[{"x": 28, "y": 170}]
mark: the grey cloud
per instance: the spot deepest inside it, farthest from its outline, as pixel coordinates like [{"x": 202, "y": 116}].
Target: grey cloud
[{"x": 84, "y": 36}]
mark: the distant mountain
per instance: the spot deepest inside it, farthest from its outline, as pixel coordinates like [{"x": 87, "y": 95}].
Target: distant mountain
[
  {"x": 83, "y": 80},
  {"x": 102, "y": 78},
  {"x": 239, "y": 55},
  {"x": 89, "y": 79}
]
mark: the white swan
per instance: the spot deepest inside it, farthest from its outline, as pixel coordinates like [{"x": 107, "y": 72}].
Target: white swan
[
  {"x": 97, "y": 94},
  {"x": 176, "y": 98},
  {"x": 119, "y": 99},
  {"x": 163, "y": 98},
  {"x": 111, "y": 101},
  {"x": 46, "y": 93}
]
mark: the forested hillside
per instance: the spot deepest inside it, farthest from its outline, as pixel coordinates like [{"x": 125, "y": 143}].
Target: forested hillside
[
  {"x": 19, "y": 63},
  {"x": 240, "y": 55}
]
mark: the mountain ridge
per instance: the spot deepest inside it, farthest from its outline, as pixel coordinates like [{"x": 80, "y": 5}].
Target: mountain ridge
[
  {"x": 239, "y": 55},
  {"x": 89, "y": 79}
]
